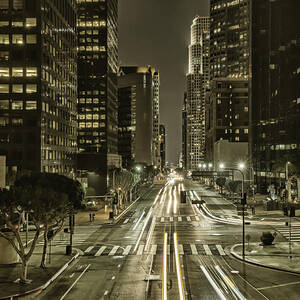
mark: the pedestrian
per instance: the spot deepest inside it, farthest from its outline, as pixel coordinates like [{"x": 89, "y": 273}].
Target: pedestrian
[
  {"x": 93, "y": 216},
  {"x": 253, "y": 210},
  {"x": 90, "y": 217}
]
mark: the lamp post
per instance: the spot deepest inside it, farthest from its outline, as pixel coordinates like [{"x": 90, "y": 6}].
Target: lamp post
[
  {"x": 288, "y": 184},
  {"x": 241, "y": 166}
]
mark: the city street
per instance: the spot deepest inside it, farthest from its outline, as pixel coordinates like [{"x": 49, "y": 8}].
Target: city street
[{"x": 164, "y": 249}]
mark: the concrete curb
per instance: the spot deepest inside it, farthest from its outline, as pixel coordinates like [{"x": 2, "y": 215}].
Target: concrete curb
[
  {"x": 45, "y": 285},
  {"x": 239, "y": 257}
]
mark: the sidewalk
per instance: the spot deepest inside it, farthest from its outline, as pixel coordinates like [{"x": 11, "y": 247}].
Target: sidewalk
[
  {"x": 274, "y": 256},
  {"x": 39, "y": 276}
]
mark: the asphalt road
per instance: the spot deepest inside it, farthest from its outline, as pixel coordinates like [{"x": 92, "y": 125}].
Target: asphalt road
[{"x": 164, "y": 249}]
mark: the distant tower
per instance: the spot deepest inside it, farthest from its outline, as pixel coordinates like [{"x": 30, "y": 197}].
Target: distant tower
[{"x": 197, "y": 84}]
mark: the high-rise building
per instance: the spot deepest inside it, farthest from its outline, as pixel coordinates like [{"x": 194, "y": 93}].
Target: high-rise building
[
  {"x": 156, "y": 120},
  {"x": 38, "y": 85},
  {"x": 228, "y": 100},
  {"x": 184, "y": 132},
  {"x": 136, "y": 113},
  {"x": 197, "y": 84},
  {"x": 275, "y": 88},
  {"x": 97, "y": 88},
  {"x": 229, "y": 38},
  {"x": 162, "y": 141}
]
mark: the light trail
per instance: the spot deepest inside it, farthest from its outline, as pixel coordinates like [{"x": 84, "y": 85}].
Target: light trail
[
  {"x": 178, "y": 269},
  {"x": 164, "y": 295},
  {"x": 212, "y": 282},
  {"x": 150, "y": 233},
  {"x": 143, "y": 229},
  {"x": 175, "y": 202},
  {"x": 230, "y": 284},
  {"x": 139, "y": 220},
  {"x": 170, "y": 201}
]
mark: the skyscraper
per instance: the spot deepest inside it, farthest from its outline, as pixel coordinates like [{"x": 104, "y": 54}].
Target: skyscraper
[
  {"x": 138, "y": 97},
  {"x": 197, "y": 84},
  {"x": 184, "y": 131},
  {"x": 38, "y": 85},
  {"x": 97, "y": 87},
  {"x": 162, "y": 140},
  {"x": 276, "y": 94}
]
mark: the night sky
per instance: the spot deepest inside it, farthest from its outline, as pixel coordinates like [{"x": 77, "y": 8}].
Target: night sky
[{"x": 157, "y": 33}]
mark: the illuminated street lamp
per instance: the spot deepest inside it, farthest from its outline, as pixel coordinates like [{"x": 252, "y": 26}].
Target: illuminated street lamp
[
  {"x": 204, "y": 166},
  {"x": 210, "y": 165},
  {"x": 221, "y": 166}
]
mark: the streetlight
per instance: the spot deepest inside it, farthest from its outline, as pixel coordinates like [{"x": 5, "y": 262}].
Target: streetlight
[
  {"x": 210, "y": 165},
  {"x": 221, "y": 166},
  {"x": 243, "y": 200},
  {"x": 204, "y": 166},
  {"x": 288, "y": 184}
]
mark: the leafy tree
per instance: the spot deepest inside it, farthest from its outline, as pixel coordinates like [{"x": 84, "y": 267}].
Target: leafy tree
[
  {"x": 233, "y": 186},
  {"x": 220, "y": 181},
  {"x": 13, "y": 205},
  {"x": 57, "y": 196}
]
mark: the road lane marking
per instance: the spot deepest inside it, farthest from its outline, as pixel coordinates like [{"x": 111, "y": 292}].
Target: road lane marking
[
  {"x": 162, "y": 219},
  {"x": 168, "y": 250},
  {"x": 220, "y": 249},
  {"x": 89, "y": 249},
  {"x": 153, "y": 249},
  {"x": 179, "y": 219},
  {"x": 207, "y": 250},
  {"x": 278, "y": 285},
  {"x": 171, "y": 219},
  {"x": 100, "y": 251},
  {"x": 141, "y": 249},
  {"x": 197, "y": 218},
  {"x": 69, "y": 289},
  {"x": 127, "y": 250},
  {"x": 188, "y": 219},
  {"x": 126, "y": 221},
  {"x": 180, "y": 247},
  {"x": 113, "y": 251},
  {"x": 194, "y": 249}
]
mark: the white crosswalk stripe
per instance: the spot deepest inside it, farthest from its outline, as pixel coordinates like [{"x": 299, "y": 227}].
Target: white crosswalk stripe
[
  {"x": 197, "y": 218},
  {"x": 126, "y": 221},
  {"x": 188, "y": 219},
  {"x": 179, "y": 219},
  {"x": 127, "y": 250},
  {"x": 140, "y": 250},
  {"x": 180, "y": 247},
  {"x": 220, "y": 249},
  {"x": 171, "y": 219},
  {"x": 100, "y": 251},
  {"x": 162, "y": 219},
  {"x": 285, "y": 231},
  {"x": 194, "y": 249},
  {"x": 89, "y": 249},
  {"x": 113, "y": 251},
  {"x": 207, "y": 250},
  {"x": 153, "y": 249}
]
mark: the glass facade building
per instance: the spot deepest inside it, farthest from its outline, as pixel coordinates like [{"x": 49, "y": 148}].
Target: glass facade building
[{"x": 38, "y": 84}]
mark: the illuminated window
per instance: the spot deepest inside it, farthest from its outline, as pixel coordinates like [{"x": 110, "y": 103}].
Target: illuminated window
[
  {"x": 31, "y": 105},
  {"x": 17, "y": 24},
  {"x": 17, "y": 105},
  {"x": 31, "y": 88},
  {"x": 4, "y": 4},
  {"x": 30, "y": 39},
  {"x": 246, "y": 108},
  {"x": 30, "y": 22},
  {"x": 17, "y": 72},
  {"x": 31, "y": 72},
  {"x": 17, "y": 88},
  {"x": 17, "y": 4},
  {"x": 4, "y": 23},
  {"x": 246, "y": 130},
  {"x": 4, "y": 39},
  {"x": 4, "y": 72},
  {"x": 17, "y": 121},
  {"x": 17, "y": 39},
  {"x": 4, "y": 121},
  {"x": 4, "y": 88},
  {"x": 4, "y": 104}
]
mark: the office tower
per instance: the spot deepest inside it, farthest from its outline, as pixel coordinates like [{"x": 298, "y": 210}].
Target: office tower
[
  {"x": 197, "y": 83},
  {"x": 229, "y": 38},
  {"x": 276, "y": 94},
  {"x": 184, "y": 132},
  {"x": 162, "y": 140},
  {"x": 97, "y": 89},
  {"x": 137, "y": 97},
  {"x": 228, "y": 99},
  {"x": 156, "y": 120},
  {"x": 38, "y": 85}
]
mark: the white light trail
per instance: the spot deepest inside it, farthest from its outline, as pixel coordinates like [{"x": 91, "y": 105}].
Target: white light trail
[
  {"x": 170, "y": 201},
  {"x": 178, "y": 268},
  {"x": 150, "y": 234},
  {"x": 229, "y": 283},
  {"x": 213, "y": 284},
  {"x": 139, "y": 220},
  {"x": 143, "y": 229},
  {"x": 175, "y": 202},
  {"x": 164, "y": 269}
]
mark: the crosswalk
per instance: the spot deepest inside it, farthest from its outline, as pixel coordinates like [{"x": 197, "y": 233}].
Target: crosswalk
[
  {"x": 295, "y": 232},
  {"x": 170, "y": 219},
  {"x": 183, "y": 249},
  {"x": 80, "y": 236}
]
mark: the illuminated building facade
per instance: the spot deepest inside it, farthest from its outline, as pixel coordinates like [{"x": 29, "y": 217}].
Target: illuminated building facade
[
  {"x": 97, "y": 87},
  {"x": 197, "y": 84},
  {"x": 276, "y": 93},
  {"x": 38, "y": 85}
]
